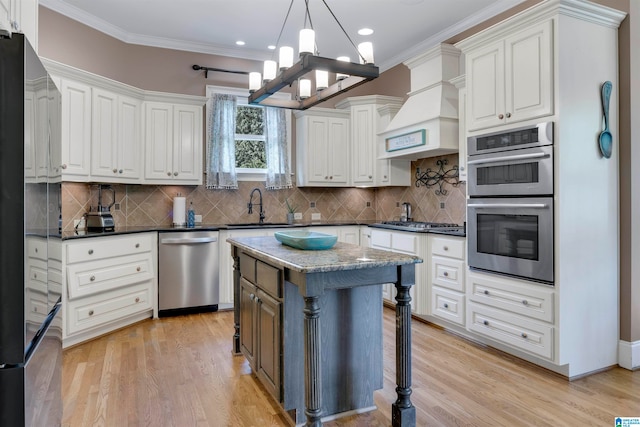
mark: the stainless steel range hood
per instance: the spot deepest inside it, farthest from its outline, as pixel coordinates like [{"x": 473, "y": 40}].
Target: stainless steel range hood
[{"x": 427, "y": 123}]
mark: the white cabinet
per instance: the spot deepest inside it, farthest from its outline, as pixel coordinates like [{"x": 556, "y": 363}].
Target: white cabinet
[
  {"x": 116, "y": 138},
  {"x": 109, "y": 282},
  {"x": 460, "y": 83},
  {"x": 36, "y": 131},
  {"x": 447, "y": 278},
  {"x": 412, "y": 244},
  {"x": 370, "y": 115},
  {"x": 511, "y": 80},
  {"x": 20, "y": 16},
  {"x": 322, "y": 148},
  {"x": 76, "y": 130},
  {"x": 173, "y": 143}
]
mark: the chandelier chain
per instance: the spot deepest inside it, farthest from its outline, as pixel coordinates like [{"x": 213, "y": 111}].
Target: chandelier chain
[
  {"x": 282, "y": 28},
  {"x": 342, "y": 28}
]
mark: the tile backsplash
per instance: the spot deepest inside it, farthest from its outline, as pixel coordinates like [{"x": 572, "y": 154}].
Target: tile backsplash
[{"x": 152, "y": 205}]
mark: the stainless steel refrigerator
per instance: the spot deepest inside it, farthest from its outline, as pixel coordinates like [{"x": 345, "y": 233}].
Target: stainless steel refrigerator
[{"x": 30, "y": 200}]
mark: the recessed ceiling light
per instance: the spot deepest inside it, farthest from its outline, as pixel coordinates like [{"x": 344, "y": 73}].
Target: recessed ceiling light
[
  {"x": 271, "y": 47},
  {"x": 240, "y": 43},
  {"x": 365, "y": 31}
]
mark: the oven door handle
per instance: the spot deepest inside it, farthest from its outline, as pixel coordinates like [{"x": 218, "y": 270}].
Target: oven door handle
[
  {"x": 508, "y": 205},
  {"x": 508, "y": 158}
]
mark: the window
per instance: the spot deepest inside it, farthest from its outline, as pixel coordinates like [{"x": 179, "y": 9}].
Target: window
[{"x": 250, "y": 138}]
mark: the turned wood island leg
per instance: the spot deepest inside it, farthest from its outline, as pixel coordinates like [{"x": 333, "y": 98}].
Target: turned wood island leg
[
  {"x": 403, "y": 413},
  {"x": 313, "y": 377},
  {"x": 236, "y": 301}
]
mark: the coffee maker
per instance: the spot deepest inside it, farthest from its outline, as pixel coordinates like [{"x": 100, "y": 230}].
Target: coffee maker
[{"x": 99, "y": 218}]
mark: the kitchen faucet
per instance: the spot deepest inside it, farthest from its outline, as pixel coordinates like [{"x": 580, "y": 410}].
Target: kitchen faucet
[{"x": 250, "y": 204}]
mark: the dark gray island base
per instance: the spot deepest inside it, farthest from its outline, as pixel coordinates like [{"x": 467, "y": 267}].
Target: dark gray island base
[{"x": 317, "y": 315}]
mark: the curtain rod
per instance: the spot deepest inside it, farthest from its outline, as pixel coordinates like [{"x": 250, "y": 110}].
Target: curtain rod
[{"x": 221, "y": 70}]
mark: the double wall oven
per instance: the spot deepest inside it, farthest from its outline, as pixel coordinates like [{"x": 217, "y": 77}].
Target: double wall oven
[{"x": 510, "y": 206}]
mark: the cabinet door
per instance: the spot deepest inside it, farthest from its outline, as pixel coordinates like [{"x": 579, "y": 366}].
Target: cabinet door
[
  {"x": 129, "y": 139},
  {"x": 338, "y": 151},
  {"x": 462, "y": 134},
  {"x": 76, "y": 130},
  {"x": 55, "y": 122},
  {"x": 187, "y": 144},
  {"x": 485, "y": 86},
  {"x": 317, "y": 151},
  {"x": 158, "y": 147},
  {"x": 29, "y": 136},
  {"x": 268, "y": 367},
  {"x": 363, "y": 143},
  {"x": 42, "y": 134},
  {"x": 529, "y": 88},
  {"x": 104, "y": 134},
  {"x": 248, "y": 344}
]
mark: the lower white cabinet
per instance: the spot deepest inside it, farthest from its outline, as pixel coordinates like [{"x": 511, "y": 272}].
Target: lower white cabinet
[
  {"x": 514, "y": 312},
  {"x": 447, "y": 278},
  {"x": 110, "y": 282},
  {"x": 408, "y": 243}
]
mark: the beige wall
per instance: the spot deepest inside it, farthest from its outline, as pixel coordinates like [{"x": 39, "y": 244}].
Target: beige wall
[{"x": 69, "y": 42}]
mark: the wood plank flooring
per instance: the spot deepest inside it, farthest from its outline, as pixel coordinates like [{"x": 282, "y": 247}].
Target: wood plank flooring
[{"x": 180, "y": 372}]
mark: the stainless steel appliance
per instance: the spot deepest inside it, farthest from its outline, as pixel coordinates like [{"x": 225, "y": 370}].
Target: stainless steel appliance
[
  {"x": 406, "y": 212},
  {"x": 419, "y": 226},
  {"x": 518, "y": 162},
  {"x": 100, "y": 218},
  {"x": 510, "y": 209},
  {"x": 30, "y": 338},
  {"x": 188, "y": 272},
  {"x": 512, "y": 236}
]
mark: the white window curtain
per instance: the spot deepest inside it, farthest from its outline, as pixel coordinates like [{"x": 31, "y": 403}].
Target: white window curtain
[
  {"x": 278, "y": 173},
  {"x": 221, "y": 147}
]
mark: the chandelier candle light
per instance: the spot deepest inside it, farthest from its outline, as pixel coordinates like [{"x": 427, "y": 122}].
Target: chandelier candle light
[{"x": 348, "y": 74}]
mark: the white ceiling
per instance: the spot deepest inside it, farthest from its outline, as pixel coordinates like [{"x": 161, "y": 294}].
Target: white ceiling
[{"x": 403, "y": 28}]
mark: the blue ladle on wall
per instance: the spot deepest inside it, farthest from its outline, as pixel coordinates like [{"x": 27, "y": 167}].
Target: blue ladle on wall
[{"x": 606, "y": 140}]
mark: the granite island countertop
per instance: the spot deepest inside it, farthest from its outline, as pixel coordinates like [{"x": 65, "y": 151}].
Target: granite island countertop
[{"x": 342, "y": 256}]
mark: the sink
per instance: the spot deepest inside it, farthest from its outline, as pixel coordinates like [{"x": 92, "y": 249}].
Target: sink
[{"x": 258, "y": 225}]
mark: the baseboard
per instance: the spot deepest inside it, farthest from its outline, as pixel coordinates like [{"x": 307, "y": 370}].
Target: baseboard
[{"x": 629, "y": 355}]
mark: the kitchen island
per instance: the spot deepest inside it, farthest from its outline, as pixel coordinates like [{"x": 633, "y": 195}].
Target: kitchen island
[{"x": 310, "y": 325}]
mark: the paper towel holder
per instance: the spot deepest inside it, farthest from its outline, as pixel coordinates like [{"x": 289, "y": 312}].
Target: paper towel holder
[{"x": 179, "y": 211}]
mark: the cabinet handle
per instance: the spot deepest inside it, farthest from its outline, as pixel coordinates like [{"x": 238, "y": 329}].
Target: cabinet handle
[
  {"x": 115, "y": 170},
  {"x": 35, "y": 275},
  {"x": 175, "y": 174},
  {"x": 385, "y": 176},
  {"x": 370, "y": 177},
  {"x": 90, "y": 251},
  {"x": 36, "y": 250},
  {"x": 90, "y": 312},
  {"x": 461, "y": 168},
  {"x": 501, "y": 116},
  {"x": 252, "y": 297},
  {"x": 485, "y": 323},
  {"x": 446, "y": 248},
  {"x": 168, "y": 173},
  {"x": 524, "y": 335},
  {"x": 120, "y": 171},
  {"x": 445, "y": 274},
  {"x": 92, "y": 278},
  {"x": 446, "y": 305},
  {"x": 138, "y": 269},
  {"x": 508, "y": 115},
  {"x": 525, "y": 302},
  {"x": 486, "y": 292},
  {"x": 64, "y": 166},
  {"x": 137, "y": 245},
  {"x": 326, "y": 177},
  {"x": 35, "y": 309},
  {"x": 137, "y": 299}
]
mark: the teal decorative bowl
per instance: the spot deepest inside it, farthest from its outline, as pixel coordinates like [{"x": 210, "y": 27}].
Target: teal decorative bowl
[{"x": 306, "y": 240}]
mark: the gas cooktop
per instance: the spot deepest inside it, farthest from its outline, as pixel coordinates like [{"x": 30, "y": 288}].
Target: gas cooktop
[{"x": 419, "y": 226}]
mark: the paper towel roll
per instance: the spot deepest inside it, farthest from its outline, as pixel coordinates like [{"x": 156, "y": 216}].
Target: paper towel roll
[{"x": 179, "y": 209}]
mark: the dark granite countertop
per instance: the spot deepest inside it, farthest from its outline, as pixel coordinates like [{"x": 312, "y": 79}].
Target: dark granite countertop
[{"x": 342, "y": 256}]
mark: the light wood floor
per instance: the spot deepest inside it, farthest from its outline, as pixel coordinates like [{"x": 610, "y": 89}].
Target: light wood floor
[{"x": 179, "y": 372}]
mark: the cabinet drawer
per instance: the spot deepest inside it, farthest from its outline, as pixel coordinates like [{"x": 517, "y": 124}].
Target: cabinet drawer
[
  {"x": 407, "y": 243},
  {"x": 98, "y": 310},
  {"x": 447, "y": 305},
  {"x": 90, "y": 278},
  {"x": 101, "y": 247},
  {"x": 448, "y": 273},
  {"x": 380, "y": 239},
  {"x": 517, "y": 331},
  {"x": 530, "y": 300},
  {"x": 37, "y": 248},
  {"x": 37, "y": 307},
  {"x": 37, "y": 275},
  {"x": 268, "y": 278},
  {"x": 448, "y": 247},
  {"x": 248, "y": 267}
]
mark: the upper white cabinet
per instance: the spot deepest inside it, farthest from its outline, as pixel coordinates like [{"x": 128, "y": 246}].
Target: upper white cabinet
[
  {"x": 323, "y": 149},
  {"x": 511, "y": 80},
  {"x": 370, "y": 115},
  {"x": 76, "y": 130},
  {"x": 173, "y": 143},
  {"x": 116, "y": 138},
  {"x": 460, "y": 83}
]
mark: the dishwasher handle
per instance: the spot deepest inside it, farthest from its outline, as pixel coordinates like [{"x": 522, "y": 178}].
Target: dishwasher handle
[{"x": 187, "y": 240}]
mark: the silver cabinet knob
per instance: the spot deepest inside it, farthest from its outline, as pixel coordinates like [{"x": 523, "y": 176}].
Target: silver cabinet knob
[
  {"x": 168, "y": 173},
  {"x": 370, "y": 177},
  {"x": 120, "y": 171},
  {"x": 508, "y": 115},
  {"x": 486, "y": 292},
  {"x": 446, "y": 305},
  {"x": 35, "y": 275},
  {"x": 501, "y": 116},
  {"x": 138, "y": 269},
  {"x": 36, "y": 250},
  {"x": 485, "y": 323},
  {"x": 461, "y": 168},
  {"x": 385, "y": 176},
  {"x": 445, "y": 274},
  {"x": 115, "y": 170},
  {"x": 138, "y": 299},
  {"x": 175, "y": 174},
  {"x": 92, "y": 278},
  {"x": 90, "y": 312},
  {"x": 525, "y": 302},
  {"x": 252, "y": 297},
  {"x": 137, "y": 245},
  {"x": 446, "y": 248},
  {"x": 90, "y": 251},
  {"x": 63, "y": 166},
  {"x": 523, "y": 335}
]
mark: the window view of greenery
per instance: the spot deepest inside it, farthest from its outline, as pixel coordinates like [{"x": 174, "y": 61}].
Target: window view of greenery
[{"x": 250, "y": 149}]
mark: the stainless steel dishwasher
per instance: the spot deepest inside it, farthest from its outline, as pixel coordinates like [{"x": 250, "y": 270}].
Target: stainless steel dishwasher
[{"x": 187, "y": 272}]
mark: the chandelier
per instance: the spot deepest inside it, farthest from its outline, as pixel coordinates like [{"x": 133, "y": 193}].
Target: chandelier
[{"x": 276, "y": 76}]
